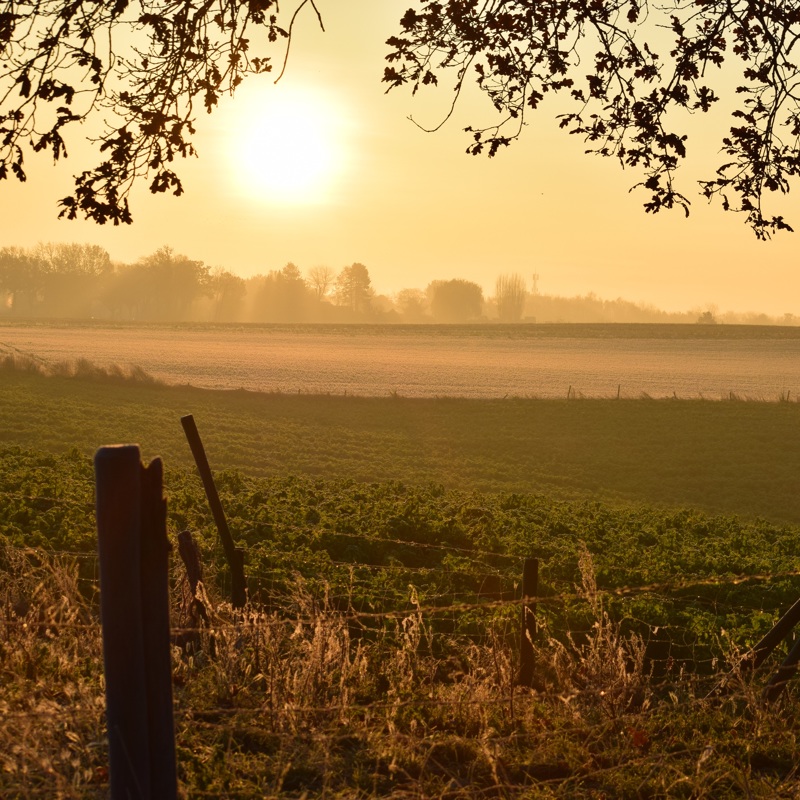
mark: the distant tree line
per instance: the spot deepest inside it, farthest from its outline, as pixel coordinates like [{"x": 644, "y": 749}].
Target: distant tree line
[{"x": 81, "y": 281}]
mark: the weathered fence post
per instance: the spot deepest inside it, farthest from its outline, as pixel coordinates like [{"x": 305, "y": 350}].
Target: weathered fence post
[
  {"x": 783, "y": 675},
  {"x": 780, "y": 630},
  {"x": 134, "y": 608},
  {"x": 157, "y": 641},
  {"x": 234, "y": 557},
  {"x": 197, "y": 607},
  {"x": 530, "y": 589},
  {"x": 756, "y": 657},
  {"x": 191, "y": 559}
]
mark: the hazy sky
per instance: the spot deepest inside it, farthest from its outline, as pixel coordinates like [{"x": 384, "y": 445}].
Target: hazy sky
[{"x": 372, "y": 187}]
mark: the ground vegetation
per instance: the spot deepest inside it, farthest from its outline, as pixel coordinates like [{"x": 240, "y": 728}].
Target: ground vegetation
[
  {"x": 722, "y": 456},
  {"x": 379, "y": 654}
]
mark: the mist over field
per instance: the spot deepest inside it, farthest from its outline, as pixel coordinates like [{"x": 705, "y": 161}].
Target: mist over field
[
  {"x": 439, "y": 361},
  {"x": 80, "y": 281}
]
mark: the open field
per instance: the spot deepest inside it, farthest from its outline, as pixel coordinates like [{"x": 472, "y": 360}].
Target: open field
[
  {"x": 384, "y": 540},
  {"x": 476, "y": 361},
  {"x": 373, "y": 664},
  {"x": 730, "y": 457}
]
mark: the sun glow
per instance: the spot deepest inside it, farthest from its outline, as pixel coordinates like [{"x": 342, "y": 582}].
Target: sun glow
[{"x": 286, "y": 145}]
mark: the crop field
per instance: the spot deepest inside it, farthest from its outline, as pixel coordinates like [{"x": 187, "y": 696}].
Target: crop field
[
  {"x": 487, "y": 362},
  {"x": 384, "y": 541},
  {"x": 380, "y": 656},
  {"x": 728, "y": 457}
]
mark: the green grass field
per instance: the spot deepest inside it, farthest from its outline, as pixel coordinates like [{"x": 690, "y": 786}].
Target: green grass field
[
  {"x": 345, "y": 504},
  {"x": 725, "y": 457}
]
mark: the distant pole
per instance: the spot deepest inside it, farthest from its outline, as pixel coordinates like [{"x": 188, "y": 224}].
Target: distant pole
[
  {"x": 234, "y": 557},
  {"x": 530, "y": 589}
]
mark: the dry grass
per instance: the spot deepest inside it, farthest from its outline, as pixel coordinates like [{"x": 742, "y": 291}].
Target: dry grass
[
  {"x": 305, "y": 703},
  {"x": 51, "y": 700}
]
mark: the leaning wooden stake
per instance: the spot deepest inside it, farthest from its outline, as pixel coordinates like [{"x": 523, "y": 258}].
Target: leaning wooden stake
[
  {"x": 530, "y": 589},
  {"x": 784, "y": 674},
  {"x": 234, "y": 556},
  {"x": 782, "y": 628},
  {"x": 134, "y": 608},
  {"x": 756, "y": 657}
]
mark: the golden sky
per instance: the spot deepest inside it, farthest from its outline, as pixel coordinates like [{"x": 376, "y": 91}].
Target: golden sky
[{"x": 412, "y": 206}]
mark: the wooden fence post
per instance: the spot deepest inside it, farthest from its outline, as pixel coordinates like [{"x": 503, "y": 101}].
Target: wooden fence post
[
  {"x": 235, "y": 559},
  {"x": 756, "y": 657},
  {"x": 780, "y": 630},
  {"x": 783, "y": 675},
  {"x": 157, "y": 640},
  {"x": 197, "y": 607},
  {"x": 530, "y": 589},
  {"x": 191, "y": 559},
  {"x": 134, "y": 608}
]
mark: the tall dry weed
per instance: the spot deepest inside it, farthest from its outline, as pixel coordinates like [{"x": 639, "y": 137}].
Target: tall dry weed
[
  {"x": 307, "y": 701},
  {"x": 51, "y": 696},
  {"x": 607, "y": 667}
]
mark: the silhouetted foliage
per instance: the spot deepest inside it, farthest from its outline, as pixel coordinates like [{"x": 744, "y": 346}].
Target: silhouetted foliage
[
  {"x": 412, "y": 304},
  {"x": 283, "y": 296},
  {"x": 161, "y": 286},
  {"x": 321, "y": 278},
  {"x": 53, "y": 279},
  {"x": 456, "y": 300},
  {"x": 510, "y": 297},
  {"x": 625, "y": 65},
  {"x": 143, "y": 67},
  {"x": 353, "y": 288},
  {"x": 16, "y": 279},
  {"x": 73, "y": 259},
  {"x": 70, "y": 277},
  {"x": 80, "y": 281},
  {"x": 707, "y": 318},
  {"x": 227, "y": 292}
]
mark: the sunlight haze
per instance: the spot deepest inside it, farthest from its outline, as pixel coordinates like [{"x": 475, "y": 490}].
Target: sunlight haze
[
  {"x": 284, "y": 145},
  {"x": 347, "y": 177}
]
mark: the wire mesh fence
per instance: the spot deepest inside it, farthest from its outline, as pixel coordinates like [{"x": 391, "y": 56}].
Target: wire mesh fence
[{"x": 389, "y": 679}]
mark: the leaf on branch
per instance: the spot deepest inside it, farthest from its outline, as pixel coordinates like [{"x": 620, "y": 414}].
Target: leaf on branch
[
  {"x": 8, "y": 24},
  {"x": 24, "y": 82}
]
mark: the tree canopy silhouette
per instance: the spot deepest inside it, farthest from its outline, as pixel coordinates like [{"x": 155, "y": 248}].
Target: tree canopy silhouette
[
  {"x": 624, "y": 65},
  {"x": 144, "y": 66}
]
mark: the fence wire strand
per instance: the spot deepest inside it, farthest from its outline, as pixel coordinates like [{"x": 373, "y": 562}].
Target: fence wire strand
[{"x": 684, "y": 669}]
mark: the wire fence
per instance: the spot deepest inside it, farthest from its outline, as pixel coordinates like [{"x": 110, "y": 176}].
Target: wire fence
[{"x": 393, "y": 662}]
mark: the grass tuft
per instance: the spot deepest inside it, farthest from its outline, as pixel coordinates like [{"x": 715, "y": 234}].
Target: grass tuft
[{"x": 80, "y": 369}]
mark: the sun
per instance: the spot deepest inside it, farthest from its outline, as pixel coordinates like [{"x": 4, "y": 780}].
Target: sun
[{"x": 285, "y": 145}]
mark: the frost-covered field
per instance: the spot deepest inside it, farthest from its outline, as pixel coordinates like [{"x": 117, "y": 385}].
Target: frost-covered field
[{"x": 434, "y": 361}]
